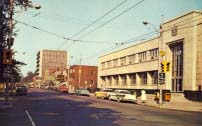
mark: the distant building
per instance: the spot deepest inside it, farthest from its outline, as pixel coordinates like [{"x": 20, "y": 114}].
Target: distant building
[
  {"x": 49, "y": 62},
  {"x": 137, "y": 67},
  {"x": 82, "y": 76}
]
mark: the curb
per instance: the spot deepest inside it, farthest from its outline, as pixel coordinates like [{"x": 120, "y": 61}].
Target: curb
[{"x": 168, "y": 108}]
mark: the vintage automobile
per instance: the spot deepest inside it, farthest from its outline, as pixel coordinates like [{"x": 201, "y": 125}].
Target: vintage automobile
[
  {"x": 21, "y": 90},
  {"x": 82, "y": 91},
  {"x": 63, "y": 88},
  {"x": 103, "y": 94},
  {"x": 123, "y": 95}
]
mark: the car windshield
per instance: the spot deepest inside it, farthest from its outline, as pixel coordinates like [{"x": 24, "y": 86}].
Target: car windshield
[
  {"x": 107, "y": 90},
  {"x": 21, "y": 86},
  {"x": 125, "y": 92},
  {"x": 83, "y": 89}
]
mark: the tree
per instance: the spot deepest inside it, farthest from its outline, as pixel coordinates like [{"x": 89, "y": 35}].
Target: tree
[
  {"x": 5, "y": 15},
  {"x": 29, "y": 77},
  {"x": 16, "y": 72}
]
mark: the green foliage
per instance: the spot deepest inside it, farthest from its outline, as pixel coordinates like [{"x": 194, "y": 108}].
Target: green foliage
[
  {"x": 16, "y": 71},
  {"x": 5, "y": 16},
  {"x": 29, "y": 77}
]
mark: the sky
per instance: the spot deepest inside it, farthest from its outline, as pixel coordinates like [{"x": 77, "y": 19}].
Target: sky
[{"x": 58, "y": 20}]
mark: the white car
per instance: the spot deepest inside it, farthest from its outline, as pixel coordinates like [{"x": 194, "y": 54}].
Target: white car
[
  {"x": 82, "y": 91},
  {"x": 123, "y": 95}
]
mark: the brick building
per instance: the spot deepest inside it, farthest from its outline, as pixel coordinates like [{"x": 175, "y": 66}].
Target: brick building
[{"x": 82, "y": 76}]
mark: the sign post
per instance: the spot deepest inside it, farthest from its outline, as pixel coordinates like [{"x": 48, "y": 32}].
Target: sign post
[
  {"x": 161, "y": 78},
  {"x": 7, "y": 72},
  {"x": 7, "y": 76}
]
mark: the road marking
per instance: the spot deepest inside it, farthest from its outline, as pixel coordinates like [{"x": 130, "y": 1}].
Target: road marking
[{"x": 30, "y": 118}]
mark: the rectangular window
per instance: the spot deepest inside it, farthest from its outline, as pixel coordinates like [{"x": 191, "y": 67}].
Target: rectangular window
[
  {"x": 143, "y": 78},
  {"x": 123, "y": 61},
  {"x": 92, "y": 81},
  {"x": 116, "y": 80},
  {"x": 109, "y": 80},
  {"x": 108, "y": 64},
  {"x": 142, "y": 56},
  {"x": 103, "y": 65},
  {"x": 132, "y": 79},
  {"x": 103, "y": 82},
  {"x": 153, "y": 54},
  {"x": 131, "y": 59},
  {"x": 92, "y": 73},
  {"x": 123, "y": 79},
  {"x": 115, "y": 62},
  {"x": 154, "y": 76}
]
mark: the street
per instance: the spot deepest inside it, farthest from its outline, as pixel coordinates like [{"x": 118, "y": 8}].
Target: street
[{"x": 48, "y": 108}]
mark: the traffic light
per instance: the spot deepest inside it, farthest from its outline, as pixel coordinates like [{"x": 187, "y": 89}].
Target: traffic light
[
  {"x": 163, "y": 67},
  {"x": 167, "y": 66},
  {"x": 7, "y": 57}
]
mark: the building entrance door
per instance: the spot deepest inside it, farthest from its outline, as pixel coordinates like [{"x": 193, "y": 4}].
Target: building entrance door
[{"x": 177, "y": 66}]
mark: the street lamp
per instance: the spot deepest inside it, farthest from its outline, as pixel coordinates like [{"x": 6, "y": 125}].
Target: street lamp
[
  {"x": 156, "y": 30},
  {"x": 36, "y": 6},
  {"x": 11, "y": 8},
  {"x": 158, "y": 35},
  {"x": 10, "y": 41}
]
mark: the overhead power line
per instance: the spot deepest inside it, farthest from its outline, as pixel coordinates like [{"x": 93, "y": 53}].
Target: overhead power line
[
  {"x": 152, "y": 33},
  {"x": 63, "y": 37},
  {"x": 129, "y": 41},
  {"x": 136, "y": 4},
  {"x": 97, "y": 20}
]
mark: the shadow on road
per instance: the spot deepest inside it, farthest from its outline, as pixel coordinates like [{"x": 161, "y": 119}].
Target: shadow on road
[{"x": 49, "y": 109}]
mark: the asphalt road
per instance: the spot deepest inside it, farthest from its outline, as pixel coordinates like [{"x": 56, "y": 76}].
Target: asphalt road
[{"x": 48, "y": 108}]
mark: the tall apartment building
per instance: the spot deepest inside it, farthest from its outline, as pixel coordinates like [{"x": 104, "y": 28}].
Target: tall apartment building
[
  {"x": 50, "y": 61},
  {"x": 82, "y": 76},
  {"x": 137, "y": 67}
]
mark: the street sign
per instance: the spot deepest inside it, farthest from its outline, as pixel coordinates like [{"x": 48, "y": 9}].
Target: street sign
[
  {"x": 162, "y": 53},
  {"x": 161, "y": 78},
  {"x": 7, "y": 72}
]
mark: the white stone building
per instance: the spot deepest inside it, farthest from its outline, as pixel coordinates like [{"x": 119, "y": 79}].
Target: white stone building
[{"x": 137, "y": 67}]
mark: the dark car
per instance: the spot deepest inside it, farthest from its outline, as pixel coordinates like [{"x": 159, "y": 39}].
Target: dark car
[{"x": 21, "y": 90}]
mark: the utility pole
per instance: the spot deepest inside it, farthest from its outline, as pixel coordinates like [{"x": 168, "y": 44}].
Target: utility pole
[
  {"x": 8, "y": 54},
  {"x": 161, "y": 60},
  {"x": 161, "y": 74}
]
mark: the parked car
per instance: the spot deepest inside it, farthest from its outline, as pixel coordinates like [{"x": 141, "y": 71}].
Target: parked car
[
  {"x": 82, "y": 91},
  {"x": 103, "y": 94},
  {"x": 21, "y": 90},
  {"x": 63, "y": 88},
  {"x": 123, "y": 95}
]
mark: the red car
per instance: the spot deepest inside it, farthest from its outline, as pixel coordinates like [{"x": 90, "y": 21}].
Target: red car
[{"x": 63, "y": 88}]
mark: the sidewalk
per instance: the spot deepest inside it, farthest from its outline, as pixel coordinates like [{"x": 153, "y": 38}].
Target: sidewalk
[
  {"x": 2, "y": 102},
  {"x": 183, "y": 106}
]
